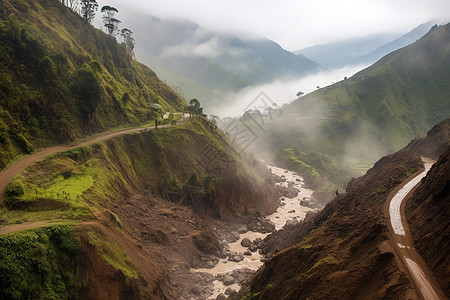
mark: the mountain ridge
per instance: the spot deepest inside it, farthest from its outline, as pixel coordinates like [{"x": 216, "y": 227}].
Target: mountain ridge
[
  {"x": 183, "y": 51},
  {"x": 340, "y": 130},
  {"x": 62, "y": 79},
  {"x": 364, "y": 50}
]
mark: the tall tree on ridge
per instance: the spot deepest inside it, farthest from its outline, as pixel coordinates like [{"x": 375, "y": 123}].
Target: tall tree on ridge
[
  {"x": 88, "y": 9},
  {"x": 128, "y": 39},
  {"x": 109, "y": 21}
]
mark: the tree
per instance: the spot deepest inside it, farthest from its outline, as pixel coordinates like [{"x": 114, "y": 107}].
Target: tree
[
  {"x": 72, "y": 4},
  {"x": 109, "y": 21},
  {"x": 88, "y": 9},
  {"x": 128, "y": 39},
  {"x": 88, "y": 91},
  {"x": 194, "y": 108}
]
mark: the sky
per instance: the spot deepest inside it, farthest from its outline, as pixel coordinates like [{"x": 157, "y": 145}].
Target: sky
[{"x": 295, "y": 24}]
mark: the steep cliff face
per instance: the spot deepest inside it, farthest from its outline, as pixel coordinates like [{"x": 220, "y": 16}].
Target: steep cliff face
[
  {"x": 435, "y": 143},
  {"x": 427, "y": 213}
]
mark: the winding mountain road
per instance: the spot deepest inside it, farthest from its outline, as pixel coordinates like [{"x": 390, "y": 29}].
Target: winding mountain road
[
  {"x": 402, "y": 241},
  {"x": 7, "y": 175}
]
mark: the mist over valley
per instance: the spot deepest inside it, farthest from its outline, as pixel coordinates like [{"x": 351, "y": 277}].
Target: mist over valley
[{"x": 224, "y": 150}]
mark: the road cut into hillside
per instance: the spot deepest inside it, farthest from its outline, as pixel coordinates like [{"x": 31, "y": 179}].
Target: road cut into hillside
[{"x": 402, "y": 242}]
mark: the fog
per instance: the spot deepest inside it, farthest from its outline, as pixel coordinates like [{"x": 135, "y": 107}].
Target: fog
[
  {"x": 293, "y": 24},
  {"x": 278, "y": 92}
]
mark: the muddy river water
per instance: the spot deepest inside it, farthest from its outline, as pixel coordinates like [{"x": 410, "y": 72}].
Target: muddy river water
[{"x": 289, "y": 209}]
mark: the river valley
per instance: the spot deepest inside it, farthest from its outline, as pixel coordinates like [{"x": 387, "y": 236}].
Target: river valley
[{"x": 242, "y": 256}]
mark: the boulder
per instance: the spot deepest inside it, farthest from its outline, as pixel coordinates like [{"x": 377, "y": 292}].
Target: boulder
[
  {"x": 230, "y": 291},
  {"x": 246, "y": 242},
  {"x": 242, "y": 229},
  {"x": 196, "y": 289},
  {"x": 228, "y": 280},
  {"x": 209, "y": 264},
  {"x": 221, "y": 296}
]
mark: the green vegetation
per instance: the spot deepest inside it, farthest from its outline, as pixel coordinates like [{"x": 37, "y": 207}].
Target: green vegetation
[
  {"x": 251, "y": 295},
  {"x": 62, "y": 79},
  {"x": 378, "y": 191},
  {"x": 40, "y": 264},
  {"x": 339, "y": 131},
  {"x": 411, "y": 171},
  {"x": 112, "y": 254}
]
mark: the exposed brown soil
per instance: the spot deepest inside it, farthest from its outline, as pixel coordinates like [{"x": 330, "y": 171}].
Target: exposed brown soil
[
  {"x": 346, "y": 256},
  {"x": 427, "y": 212},
  {"x": 345, "y": 252},
  {"x": 435, "y": 143},
  {"x": 153, "y": 282},
  {"x": 23, "y": 226},
  {"x": 403, "y": 248},
  {"x": 163, "y": 240}
]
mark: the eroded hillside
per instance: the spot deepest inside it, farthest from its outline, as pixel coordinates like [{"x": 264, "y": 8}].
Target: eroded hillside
[
  {"x": 139, "y": 205},
  {"x": 428, "y": 215},
  {"x": 344, "y": 252}
]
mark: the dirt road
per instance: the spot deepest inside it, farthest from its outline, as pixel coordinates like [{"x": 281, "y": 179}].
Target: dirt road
[
  {"x": 402, "y": 242},
  {"x": 7, "y": 175}
]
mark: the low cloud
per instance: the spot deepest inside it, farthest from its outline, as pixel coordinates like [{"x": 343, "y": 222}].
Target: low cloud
[
  {"x": 209, "y": 48},
  {"x": 280, "y": 91},
  {"x": 202, "y": 44}
]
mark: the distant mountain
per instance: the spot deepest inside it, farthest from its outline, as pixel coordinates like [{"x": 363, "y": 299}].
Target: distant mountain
[
  {"x": 364, "y": 50},
  {"x": 205, "y": 64},
  {"x": 337, "y": 132},
  {"x": 401, "y": 42},
  {"x": 343, "y": 53}
]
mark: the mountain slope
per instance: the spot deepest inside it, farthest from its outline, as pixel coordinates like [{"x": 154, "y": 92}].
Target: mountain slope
[
  {"x": 339, "y": 131},
  {"x": 399, "y": 43},
  {"x": 343, "y": 53},
  {"x": 61, "y": 79},
  {"x": 344, "y": 252},
  {"x": 139, "y": 204},
  {"x": 363, "y": 50},
  {"x": 184, "y": 53},
  {"x": 427, "y": 214}
]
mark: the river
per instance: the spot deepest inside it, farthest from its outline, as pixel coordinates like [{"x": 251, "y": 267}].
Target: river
[{"x": 289, "y": 209}]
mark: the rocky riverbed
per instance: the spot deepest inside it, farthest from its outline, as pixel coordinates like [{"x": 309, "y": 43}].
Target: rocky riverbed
[{"x": 241, "y": 255}]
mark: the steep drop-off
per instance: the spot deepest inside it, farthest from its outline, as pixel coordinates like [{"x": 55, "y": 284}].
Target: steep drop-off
[
  {"x": 344, "y": 252},
  {"x": 61, "y": 79},
  {"x": 141, "y": 203},
  {"x": 428, "y": 214}
]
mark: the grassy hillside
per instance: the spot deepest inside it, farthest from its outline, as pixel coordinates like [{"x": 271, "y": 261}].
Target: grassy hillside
[
  {"x": 162, "y": 161},
  {"x": 339, "y": 131},
  {"x": 172, "y": 182},
  {"x": 60, "y": 79},
  {"x": 40, "y": 264}
]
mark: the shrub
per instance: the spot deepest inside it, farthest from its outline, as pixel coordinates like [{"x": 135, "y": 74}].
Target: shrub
[{"x": 14, "y": 189}]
